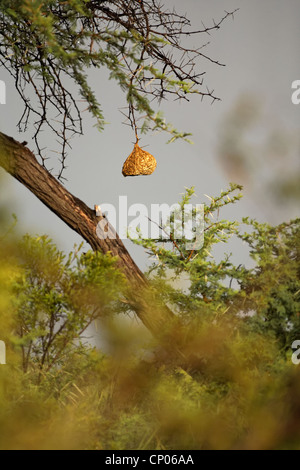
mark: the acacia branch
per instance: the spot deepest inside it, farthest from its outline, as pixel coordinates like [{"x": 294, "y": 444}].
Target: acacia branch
[
  {"x": 21, "y": 163},
  {"x": 143, "y": 45}
]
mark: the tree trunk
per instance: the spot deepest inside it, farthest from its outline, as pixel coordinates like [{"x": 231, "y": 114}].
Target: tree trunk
[{"x": 21, "y": 163}]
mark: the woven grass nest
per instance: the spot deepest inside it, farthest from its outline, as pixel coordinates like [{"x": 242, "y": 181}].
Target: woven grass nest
[{"x": 139, "y": 163}]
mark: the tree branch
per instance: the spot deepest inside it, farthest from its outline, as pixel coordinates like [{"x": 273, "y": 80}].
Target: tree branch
[{"x": 21, "y": 163}]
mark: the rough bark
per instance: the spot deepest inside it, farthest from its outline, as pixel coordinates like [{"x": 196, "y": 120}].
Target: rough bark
[{"x": 21, "y": 163}]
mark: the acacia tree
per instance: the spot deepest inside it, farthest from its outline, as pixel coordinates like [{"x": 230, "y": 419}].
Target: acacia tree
[{"x": 48, "y": 46}]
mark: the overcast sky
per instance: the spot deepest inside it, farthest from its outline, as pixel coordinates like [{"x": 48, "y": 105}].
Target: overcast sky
[{"x": 261, "y": 50}]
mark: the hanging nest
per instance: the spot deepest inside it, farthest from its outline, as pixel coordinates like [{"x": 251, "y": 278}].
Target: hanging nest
[{"x": 139, "y": 162}]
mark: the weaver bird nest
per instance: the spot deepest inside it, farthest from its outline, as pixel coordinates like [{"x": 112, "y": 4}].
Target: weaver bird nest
[{"x": 139, "y": 162}]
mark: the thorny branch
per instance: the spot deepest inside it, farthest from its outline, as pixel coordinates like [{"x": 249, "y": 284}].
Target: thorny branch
[{"x": 143, "y": 44}]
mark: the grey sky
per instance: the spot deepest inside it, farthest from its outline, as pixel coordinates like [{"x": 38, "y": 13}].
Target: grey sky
[{"x": 261, "y": 50}]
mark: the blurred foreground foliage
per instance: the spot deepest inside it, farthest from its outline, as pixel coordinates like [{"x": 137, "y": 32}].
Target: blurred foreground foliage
[{"x": 234, "y": 386}]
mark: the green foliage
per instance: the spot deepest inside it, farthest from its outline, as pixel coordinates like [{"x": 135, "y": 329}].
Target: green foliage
[
  {"x": 207, "y": 276},
  {"x": 49, "y": 45},
  {"x": 267, "y": 295},
  {"x": 58, "y": 298},
  {"x": 272, "y": 287},
  {"x": 233, "y": 386}
]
